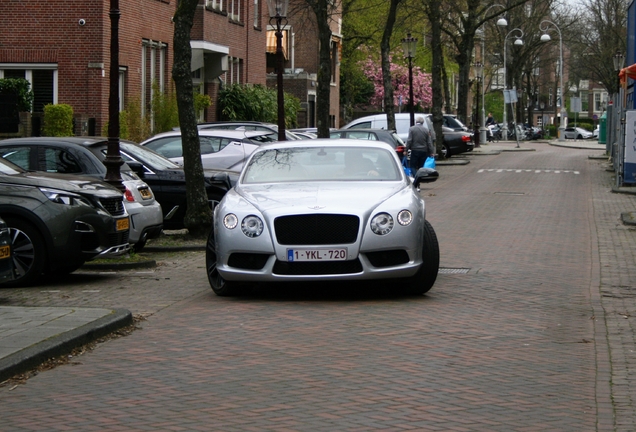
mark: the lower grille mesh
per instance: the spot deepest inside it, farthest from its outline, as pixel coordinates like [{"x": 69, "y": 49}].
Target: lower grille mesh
[{"x": 316, "y": 229}]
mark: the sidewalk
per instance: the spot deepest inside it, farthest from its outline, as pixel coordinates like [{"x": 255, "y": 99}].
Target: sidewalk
[{"x": 31, "y": 335}]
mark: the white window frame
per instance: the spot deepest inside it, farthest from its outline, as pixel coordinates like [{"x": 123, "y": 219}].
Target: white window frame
[
  {"x": 216, "y": 5},
  {"x": 28, "y": 73},
  {"x": 235, "y": 10}
]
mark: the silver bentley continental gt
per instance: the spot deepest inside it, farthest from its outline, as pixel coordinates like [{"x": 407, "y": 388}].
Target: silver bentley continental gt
[{"x": 323, "y": 210}]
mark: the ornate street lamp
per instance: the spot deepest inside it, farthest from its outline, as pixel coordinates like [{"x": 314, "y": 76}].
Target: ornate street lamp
[
  {"x": 278, "y": 15},
  {"x": 501, "y": 22},
  {"x": 113, "y": 158},
  {"x": 545, "y": 37},
  {"x": 518, "y": 42},
  {"x": 409, "y": 45}
]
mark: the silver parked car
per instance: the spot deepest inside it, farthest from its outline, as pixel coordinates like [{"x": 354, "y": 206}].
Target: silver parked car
[
  {"x": 323, "y": 210},
  {"x": 577, "y": 133},
  {"x": 220, "y": 148}
]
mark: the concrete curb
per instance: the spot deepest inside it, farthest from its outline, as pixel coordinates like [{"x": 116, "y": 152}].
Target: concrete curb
[
  {"x": 174, "y": 248},
  {"x": 628, "y": 218},
  {"x": 63, "y": 343},
  {"x": 120, "y": 266}
]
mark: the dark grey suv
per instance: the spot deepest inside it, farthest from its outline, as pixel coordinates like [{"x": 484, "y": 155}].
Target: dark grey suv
[{"x": 57, "y": 222}]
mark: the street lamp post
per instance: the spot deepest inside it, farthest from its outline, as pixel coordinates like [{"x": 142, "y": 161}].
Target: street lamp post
[
  {"x": 479, "y": 69},
  {"x": 409, "y": 45},
  {"x": 542, "y": 106},
  {"x": 278, "y": 15},
  {"x": 518, "y": 42},
  {"x": 501, "y": 22},
  {"x": 113, "y": 159},
  {"x": 545, "y": 37}
]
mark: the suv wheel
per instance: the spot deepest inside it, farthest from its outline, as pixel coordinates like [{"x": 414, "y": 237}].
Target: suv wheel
[{"x": 27, "y": 252}]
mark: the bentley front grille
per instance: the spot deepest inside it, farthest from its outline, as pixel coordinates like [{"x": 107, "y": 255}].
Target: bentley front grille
[{"x": 316, "y": 229}]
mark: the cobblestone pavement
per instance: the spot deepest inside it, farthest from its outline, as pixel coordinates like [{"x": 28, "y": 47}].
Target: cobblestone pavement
[{"x": 529, "y": 327}]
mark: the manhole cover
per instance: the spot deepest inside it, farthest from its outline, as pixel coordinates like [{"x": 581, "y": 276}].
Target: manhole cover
[{"x": 453, "y": 270}]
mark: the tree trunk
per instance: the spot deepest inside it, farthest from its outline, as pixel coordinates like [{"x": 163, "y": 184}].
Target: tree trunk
[
  {"x": 323, "y": 92},
  {"x": 198, "y": 218},
  {"x": 385, "y": 51},
  {"x": 434, "y": 16}
]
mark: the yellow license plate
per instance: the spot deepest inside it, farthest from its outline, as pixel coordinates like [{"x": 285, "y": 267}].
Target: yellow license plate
[
  {"x": 145, "y": 193},
  {"x": 5, "y": 252},
  {"x": 122, "y": 224}
]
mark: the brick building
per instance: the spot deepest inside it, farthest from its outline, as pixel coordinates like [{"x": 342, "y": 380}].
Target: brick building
[
  {"x": 301, "y": 51},
  {"x": 63, "y": 49}
]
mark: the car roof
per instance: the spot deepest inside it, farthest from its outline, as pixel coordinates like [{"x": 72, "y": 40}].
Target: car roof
[
  {"x": 223, "y": 133},
  {"x": 364, "y": 130},
  {"x": 85, "y": 141},
  {"x": 326, "y": 142}
]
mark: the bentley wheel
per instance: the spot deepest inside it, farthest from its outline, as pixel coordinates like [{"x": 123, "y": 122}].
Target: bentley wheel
[
  {"x": 445, "y": 153},
  {"x": 27, "y": 252},
  {"x": 220, "y": 286},
  {"x": 423, "y": 280}
]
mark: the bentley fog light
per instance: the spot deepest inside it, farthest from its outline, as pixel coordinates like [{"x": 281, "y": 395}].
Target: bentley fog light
[
  {"x": 405, "y": 217},
  {"x": 252, "y": 226},
  {"x": 230, "y": 221},
  {"x": 382, "y": 223}
]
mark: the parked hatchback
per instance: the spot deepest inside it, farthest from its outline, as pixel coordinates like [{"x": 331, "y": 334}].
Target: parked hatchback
[
  {"x": 577, "y": 133},
  {"x": 165, "y": 177},
  {"x": 57, "y": 222},
  {"x": 383, "y": 135},
  {"x": 220, "y": 148},
  {"x": 67, "y": 156}
]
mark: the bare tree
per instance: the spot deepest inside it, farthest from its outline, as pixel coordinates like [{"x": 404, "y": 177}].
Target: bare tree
[
  {"x": 602, "y": 33},
  {"x": 385, "y": 54},
  {"x": 461, "y": 25},
  {"x": 198, "y": 218}
]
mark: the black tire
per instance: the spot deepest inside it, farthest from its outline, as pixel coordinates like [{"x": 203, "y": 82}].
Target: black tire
[
  {"x": 137, "y": 247},
  {"x": 220, "y": 286},
  {"x": 579, "y": 137},
  {"x": 28, "y": 252},
  {"x": 422, "y": 281}
]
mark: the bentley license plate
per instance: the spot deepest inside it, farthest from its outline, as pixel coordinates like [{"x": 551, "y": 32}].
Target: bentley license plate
[
  {"x": 339, "y": 254},
  {"x": 5, "y": 252},
  {"x": 122, "y": 224}
]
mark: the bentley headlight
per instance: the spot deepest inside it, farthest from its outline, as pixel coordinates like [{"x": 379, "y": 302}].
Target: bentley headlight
[
  {"x": 230, "y": 221},
  {"x": 252, "y": 226},
  {"x": 382, "y": 223},
  {"x": 66, "y": 198},
  {"x": 405, "y": 217}
]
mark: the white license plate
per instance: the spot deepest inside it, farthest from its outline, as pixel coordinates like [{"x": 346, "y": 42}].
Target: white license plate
[{"x": 339, "y": 254}]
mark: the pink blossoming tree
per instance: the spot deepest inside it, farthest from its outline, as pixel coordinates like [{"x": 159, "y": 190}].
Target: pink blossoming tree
[{"x": 422, "y": 93}]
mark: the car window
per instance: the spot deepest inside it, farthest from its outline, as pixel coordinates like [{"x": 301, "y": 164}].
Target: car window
[
  {"x": 361, "y": 135},
  {"x": 133, "y": 152},
  {"x": 170, "y": 147},
  {"x": 366, "y": 125},
  {"x": 18, "y": 155},
  {"x": 322, "y": 164},
  {"x": 56, "y": 160}
]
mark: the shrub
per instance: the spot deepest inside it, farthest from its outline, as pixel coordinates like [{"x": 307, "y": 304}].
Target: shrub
[
  {"x": 165, "y": 113},
  {"x": 255, "y": 103},
  {"x": 22, "y": 88},
  {"x": 58, "y": 120},
  {"x": 123, "y": 126}
]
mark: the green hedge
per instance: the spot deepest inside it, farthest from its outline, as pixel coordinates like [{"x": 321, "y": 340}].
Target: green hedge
[
  {"x": 256, "y": 103},
  {"x": 22, "y": 88},
  {"x": 58, "y": 120}
]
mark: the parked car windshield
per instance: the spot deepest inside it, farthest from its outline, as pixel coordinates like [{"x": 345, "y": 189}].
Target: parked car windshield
[
  {"x": 133, "y": 152},
  {"x": 9, "y": 168},
  {"x": 322, "y": 164}
]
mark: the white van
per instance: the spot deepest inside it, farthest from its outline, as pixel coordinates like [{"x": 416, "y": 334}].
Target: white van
[{"x": 402, "y": 123}]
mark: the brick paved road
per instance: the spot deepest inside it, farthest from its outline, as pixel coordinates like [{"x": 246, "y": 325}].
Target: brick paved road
[{"x": 512, "y": 344}]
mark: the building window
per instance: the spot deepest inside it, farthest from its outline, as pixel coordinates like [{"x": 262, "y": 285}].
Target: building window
[
  {"x": 122, "y": 88},
  {"x": 43, "y": 79},
  {"x": 215, "y": 5},
  {"x": 234, "y": 10},
  {"x": 233, "y": 75},
  {"x": 257, "y": 15},
  {"x": 335, "y": 60},
  {"x": 153, "y": 71}
]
